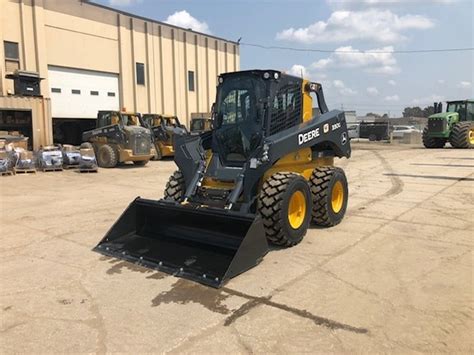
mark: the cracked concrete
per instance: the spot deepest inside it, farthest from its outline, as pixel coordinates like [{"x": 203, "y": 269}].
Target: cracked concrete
[{"x": 395, "y": 276}]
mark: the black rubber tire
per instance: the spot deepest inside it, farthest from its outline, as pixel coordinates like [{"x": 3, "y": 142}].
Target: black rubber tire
[
  {"x": 372, "y": 137},
  {"x": 273, "y": 204},
  {"x": 107, "y": 157},
  {"x": 459, "y": 137},
  {"x": 432, "y": 142},
  {"x": 87, "y": 145},
  {"x": 321, "y": 184},
  {"x": 141, "y": 162},
  {"x": 175, "y": 187}
]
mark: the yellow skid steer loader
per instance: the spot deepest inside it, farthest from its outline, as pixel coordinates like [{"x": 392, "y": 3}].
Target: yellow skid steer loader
[{"x": 264, "y": 173}]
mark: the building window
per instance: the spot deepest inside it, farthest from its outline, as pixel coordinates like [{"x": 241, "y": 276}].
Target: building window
[
  {"x": 12, "y": 56},
  {"x": 56, "y": 90},
  {"x": 94, "y": 93},
  {"x": 140, "y": 73},
  {"x": 76, "y": 92},
  {"x": 190, "y": 80},
  {"x": 111, "y": 94}
]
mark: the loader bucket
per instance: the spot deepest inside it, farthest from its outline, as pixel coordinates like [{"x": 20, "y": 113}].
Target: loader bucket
[{"x": 206, "y": 245}]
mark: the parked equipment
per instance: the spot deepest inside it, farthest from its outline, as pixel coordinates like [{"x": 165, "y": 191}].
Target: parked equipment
[
  {"x": 164, "y": 129},
  {"x": 50, "y": 158},
  {"x": 200, "y": 125},
  {"x": 120, "y": 137},
  {"x": 456, "y": 125},
  {"x": 71, "y": 156},
  {"x": 375, "y": 131},
  {"x": 264, "y": 172}
]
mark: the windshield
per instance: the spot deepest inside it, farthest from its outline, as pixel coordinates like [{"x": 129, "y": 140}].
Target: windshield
[
  {"x": 239, "y": 119},
  {"x": 130, "y": 120},
  {"x": 197, "y": 125}
]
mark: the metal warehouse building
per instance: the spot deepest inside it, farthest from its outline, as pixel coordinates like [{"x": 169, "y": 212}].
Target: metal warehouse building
[{"x": 92, "y": 57}]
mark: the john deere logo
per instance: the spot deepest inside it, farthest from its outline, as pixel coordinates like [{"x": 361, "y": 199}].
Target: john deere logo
[{"x": 326, "y": 128}]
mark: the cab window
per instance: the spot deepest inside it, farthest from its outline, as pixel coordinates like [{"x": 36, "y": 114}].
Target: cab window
[{"x": 470, "y": 111}]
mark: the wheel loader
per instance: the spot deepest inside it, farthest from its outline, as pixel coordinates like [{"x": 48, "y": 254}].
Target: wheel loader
[
  {"x": 455, "y": 126},
  {"x": 119, "y": 137},
  {"x": 164, "y": 129},
  {"x": 263, "y": 174}
]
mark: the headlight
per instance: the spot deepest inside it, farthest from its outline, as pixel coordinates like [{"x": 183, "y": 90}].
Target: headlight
[
  {"x": 276, "y": 76},
  {"x": 266, "y": 75}
]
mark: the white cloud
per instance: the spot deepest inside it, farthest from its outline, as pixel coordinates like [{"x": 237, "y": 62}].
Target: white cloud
[
  {"x": 185, "y": 20},
  {"x": 372, "y": 24},
  {"x": 392, "y": 82},
  {"x": 343, "y": 89},
  {"x": 298, "y": 70},
  {"x": 123, "y": 2},
  {"x": 441, "y": 81},
  {"x": 465, "y": 85},
  {"x": 379, "y": 61},
  {"x": 345, "y": 3},
  {"x": 393, "y": 98},
  {"x": 372, "y": 91},
  {"x": 428, "y": 100}
]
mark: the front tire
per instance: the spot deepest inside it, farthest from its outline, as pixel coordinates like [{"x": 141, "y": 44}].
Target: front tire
[
  {"x": 432, "y": 142},
  {"x": 462, "y": 135},
  {"x": 285, "y": 206},
  {"x": 107, "y": 157},
  {"x": 175, "y": 188},
  {"x": 330, "y": 195}
]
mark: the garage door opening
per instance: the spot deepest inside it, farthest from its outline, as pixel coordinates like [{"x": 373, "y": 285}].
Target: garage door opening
[
  {"x": 69, "y": 131},
  {"x": 13, "y": 122}
]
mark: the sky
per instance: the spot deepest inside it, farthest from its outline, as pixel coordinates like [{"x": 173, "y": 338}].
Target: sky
[{"x": 364, "y": 72}]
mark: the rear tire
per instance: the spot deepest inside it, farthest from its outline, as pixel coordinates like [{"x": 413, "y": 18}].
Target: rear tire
[
  {"x": 141, "y": 162},
  {"x": 462, "y": 135},
  {"x": 175, "y": 188},
  {"x": 432, "y": 142},
  {"x": 285, "y": 206},
  {"x": 330, "y": 194},
  {"x": 107, "y": 157},
  {"x": 372, "y": 137}
]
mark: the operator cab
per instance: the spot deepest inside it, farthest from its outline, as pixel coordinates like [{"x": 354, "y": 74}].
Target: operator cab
[
  {"x": 251, "y": 105},
  {"x": 465, "y": 109}
]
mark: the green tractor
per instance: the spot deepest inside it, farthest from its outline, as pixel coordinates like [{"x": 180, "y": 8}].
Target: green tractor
[{"x": 456, "y": 125}]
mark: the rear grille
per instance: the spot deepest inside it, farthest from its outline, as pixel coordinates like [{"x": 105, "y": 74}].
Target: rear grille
[
  {"x": 141, "y": 144},
  {"x": 436, "y": 125}
]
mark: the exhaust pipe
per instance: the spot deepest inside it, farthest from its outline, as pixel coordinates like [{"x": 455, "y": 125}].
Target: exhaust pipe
[{"x": 206, "y": 245}]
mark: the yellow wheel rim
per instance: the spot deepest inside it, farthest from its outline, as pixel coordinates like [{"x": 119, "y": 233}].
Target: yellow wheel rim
[
  {"x": 471, "y": 136},
  {"x": 337, "y": 197},
  {"x": 297, "y": 210}
]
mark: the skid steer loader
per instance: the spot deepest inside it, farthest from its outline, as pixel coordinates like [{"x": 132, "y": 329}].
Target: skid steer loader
[
  {"x": 164, "y": 128},
  {"x": 262, "y": 174},
  {"x": 119, "y": 137}
]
